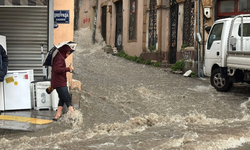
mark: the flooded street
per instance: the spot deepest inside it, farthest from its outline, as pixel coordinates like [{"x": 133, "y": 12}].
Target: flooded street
[{"x": 130, "y": 106}]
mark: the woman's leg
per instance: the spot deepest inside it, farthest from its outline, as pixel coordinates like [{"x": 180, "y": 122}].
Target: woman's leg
[
  {"x": 60, "y": 103},
  {"x": 59, "y": 112},
  {"x": 71, "y": 109},
  {"x": 65, "y": 98}
]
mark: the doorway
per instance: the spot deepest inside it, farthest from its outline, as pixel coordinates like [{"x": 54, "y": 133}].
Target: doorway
[
  {"x": 173, "y": 30},
  {"x": 104, "y": 26},
  {"x": 119, "y": 25}
]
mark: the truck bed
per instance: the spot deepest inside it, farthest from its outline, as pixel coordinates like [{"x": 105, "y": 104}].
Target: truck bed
[{"x": 238, "y": 60}]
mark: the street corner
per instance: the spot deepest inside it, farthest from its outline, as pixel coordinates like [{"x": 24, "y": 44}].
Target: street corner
[{"x": 26, "y": 120}]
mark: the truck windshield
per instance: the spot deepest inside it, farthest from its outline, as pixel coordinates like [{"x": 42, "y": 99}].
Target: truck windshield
[
  {"x": 246, "y": 29},
  {"x": 215, "y": 34}
]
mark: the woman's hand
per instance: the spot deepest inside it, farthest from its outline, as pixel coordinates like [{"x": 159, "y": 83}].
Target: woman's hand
[{"x": 71, "y": 68}]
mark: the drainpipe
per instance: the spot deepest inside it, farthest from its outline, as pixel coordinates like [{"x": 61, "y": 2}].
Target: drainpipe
[
  {"x": 94, "y": 30},
  {"x": 198, "y": 38},
  {"x": 110, "y": 26},
  {"x": 160, "y": 28}
]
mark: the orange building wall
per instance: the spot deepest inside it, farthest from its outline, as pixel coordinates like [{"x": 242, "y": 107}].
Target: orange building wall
[{"x": 65, "y": 32}]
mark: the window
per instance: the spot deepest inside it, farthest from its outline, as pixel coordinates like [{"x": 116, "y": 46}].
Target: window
[
  {"x": 228, "y": 8},
  {"x": 246, "y": 29},
  {"x": 244, "y": 5},
  {"x": 215, "y": 34},
  {"x": 132, "y": 20},
  {"x": 152, "y": 34}
]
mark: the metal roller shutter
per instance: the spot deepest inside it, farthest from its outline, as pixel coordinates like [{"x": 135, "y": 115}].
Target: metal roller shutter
[{"x": 25, "y": 28}]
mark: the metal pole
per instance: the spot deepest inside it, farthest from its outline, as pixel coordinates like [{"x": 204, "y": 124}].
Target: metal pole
[
  {"x": 51, "y": 31},
  {"x": 94, "y": 30},
  {"x": 44, "y": 70}
]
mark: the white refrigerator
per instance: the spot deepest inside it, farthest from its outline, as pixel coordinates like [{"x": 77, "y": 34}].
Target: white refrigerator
[{"x": 17, "y": 89}]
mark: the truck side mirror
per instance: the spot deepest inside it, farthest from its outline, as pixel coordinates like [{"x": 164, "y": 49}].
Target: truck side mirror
[{"x": 198, "y": 37}]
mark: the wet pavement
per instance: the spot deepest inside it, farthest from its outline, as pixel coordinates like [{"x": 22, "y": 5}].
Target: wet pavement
[
  {"x": 130, "y": 106},
  {"x": 26, "y": 125}
]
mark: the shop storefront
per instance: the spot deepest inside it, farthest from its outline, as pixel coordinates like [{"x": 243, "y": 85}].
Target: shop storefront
[{"x": 25, "y": 23}]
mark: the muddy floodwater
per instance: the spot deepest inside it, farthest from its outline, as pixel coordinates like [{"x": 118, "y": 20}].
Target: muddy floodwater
[{"x": 129, "y": 106}]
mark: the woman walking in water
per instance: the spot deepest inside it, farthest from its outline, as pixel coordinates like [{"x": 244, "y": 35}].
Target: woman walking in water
[{"x": 59, "y": 79}]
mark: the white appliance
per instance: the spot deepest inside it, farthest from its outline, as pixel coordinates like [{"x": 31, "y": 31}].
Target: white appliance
[
  {"x": 3, "y": 43},
  {"x": 43, "y": 100},
  {"x": 55, "y": 98},
  {"x": 17, "y": 89}
]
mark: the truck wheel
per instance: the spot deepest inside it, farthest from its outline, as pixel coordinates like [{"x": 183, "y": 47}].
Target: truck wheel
[{"x": 221, "y": 84}]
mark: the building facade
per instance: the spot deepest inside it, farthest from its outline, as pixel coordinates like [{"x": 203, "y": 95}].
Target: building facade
[{"x": 136, "y": 26}]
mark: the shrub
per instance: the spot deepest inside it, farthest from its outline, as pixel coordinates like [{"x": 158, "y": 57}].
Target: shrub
[
  {"x": 121, "y": 54},
  {"x": 139, "y": 60},
  {"x": 184, "y": 45},
  {"x": 152, "y": 48},
  {"x": 148, "y": 62},
  {"x": 157, "y": 64},
  {"x": 193, "y": 74},
  {"x": 178, "y": 65},
  {"x": 156, "y": 52}
]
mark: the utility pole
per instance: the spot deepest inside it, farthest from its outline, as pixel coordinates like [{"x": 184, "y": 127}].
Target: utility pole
[{"x": 94, "y": 30}]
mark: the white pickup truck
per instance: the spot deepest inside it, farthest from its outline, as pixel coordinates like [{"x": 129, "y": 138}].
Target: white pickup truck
[{"x": 227, "y": 52}]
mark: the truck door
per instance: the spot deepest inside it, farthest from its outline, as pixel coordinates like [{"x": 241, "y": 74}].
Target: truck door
[{"x": 213, "y": 48}]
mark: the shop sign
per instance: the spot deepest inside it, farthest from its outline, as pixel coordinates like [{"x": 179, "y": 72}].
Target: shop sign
[{"x": 61, "y": 16}]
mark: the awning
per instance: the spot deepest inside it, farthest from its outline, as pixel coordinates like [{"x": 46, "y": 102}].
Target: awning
[{"x": 23, "y": 2}]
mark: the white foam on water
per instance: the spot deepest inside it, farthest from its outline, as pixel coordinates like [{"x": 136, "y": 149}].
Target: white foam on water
[
  {"x": 139, "y": 124},
  {"x": 201, "y": 89},
  {"x": 99, "y": 146},
  {"x": 75, "y": 120},
  {"x": 221, "y": 143},
  {"x": 190, "y": 139},
  {"x": 246, "y": 109}
]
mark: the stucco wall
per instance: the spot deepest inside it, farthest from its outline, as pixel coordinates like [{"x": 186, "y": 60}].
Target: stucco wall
[
  {"x": 132, "y": 48},
  {"x": 165, "y": 28},
  {"x": 87, "y": 14},
  {"x": 85, "y": 17},
  {"x": 65, "y": 32},
  {"x": 87, "y": 10}
]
